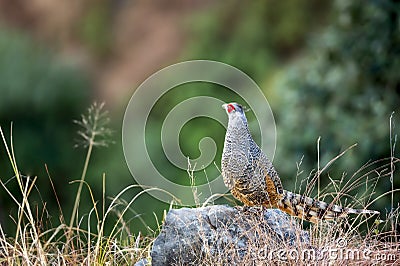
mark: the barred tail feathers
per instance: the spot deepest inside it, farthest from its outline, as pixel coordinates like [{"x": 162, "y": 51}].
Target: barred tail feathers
[{"x": 313, "y": 210}]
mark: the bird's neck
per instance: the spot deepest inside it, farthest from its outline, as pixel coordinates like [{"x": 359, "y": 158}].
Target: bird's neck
[{"x": 238, "y": 129}]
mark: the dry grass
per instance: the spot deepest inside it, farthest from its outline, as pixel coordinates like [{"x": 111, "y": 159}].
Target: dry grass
[{"x": 82, "y": 240}]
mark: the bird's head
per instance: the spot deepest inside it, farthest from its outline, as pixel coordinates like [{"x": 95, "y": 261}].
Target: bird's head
[
  {"x": 233, "y": 109},
  {"x": 236, "y": 115}
]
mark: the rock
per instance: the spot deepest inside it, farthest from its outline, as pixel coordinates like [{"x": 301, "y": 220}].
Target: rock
[
  {"x": 142, "y": 262},
  {"x": 224, "y": 235}
]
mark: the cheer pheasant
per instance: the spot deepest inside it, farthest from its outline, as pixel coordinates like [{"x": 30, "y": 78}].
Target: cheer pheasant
[{"x": 253, "y": 180}]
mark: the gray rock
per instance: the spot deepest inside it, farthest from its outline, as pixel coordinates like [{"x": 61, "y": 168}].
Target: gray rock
[
  {"x": 224, "y": 235},
  {"x": 142, "y": 262}
]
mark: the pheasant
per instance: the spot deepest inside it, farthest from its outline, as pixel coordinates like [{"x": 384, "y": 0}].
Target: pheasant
[{"x": 253, "y": 180}]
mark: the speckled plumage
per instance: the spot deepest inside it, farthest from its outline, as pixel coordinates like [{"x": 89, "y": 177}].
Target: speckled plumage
[{"x": 253, "y": 180}]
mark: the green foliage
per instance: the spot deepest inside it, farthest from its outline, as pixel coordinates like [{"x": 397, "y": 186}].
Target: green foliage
[
  {"x": 96, "y": 28},
  {"x": 255, "y": 35},
  {"x": 344, "y": 89},
  {"x": 41, "y": 96}
]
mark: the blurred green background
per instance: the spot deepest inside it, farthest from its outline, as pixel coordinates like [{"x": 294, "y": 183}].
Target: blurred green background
[{"x": 329, "y": 69}]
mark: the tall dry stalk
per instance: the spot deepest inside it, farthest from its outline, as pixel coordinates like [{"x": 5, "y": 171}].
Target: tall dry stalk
[{"x": 94, "y": 132}]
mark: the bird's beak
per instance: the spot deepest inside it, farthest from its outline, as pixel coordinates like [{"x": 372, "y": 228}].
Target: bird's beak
[{"x": 224, "y": 106}]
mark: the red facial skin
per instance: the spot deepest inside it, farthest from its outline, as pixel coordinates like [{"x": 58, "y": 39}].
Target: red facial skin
[{"x": 230, "y": 108}]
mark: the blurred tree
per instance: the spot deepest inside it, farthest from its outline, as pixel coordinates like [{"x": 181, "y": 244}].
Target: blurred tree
[
  {"x": 256, "y": 36},
  {"x": 344, "y": 89},
  {"x": 95, "y": 30},
  {"x": 41, "y": 96}
]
